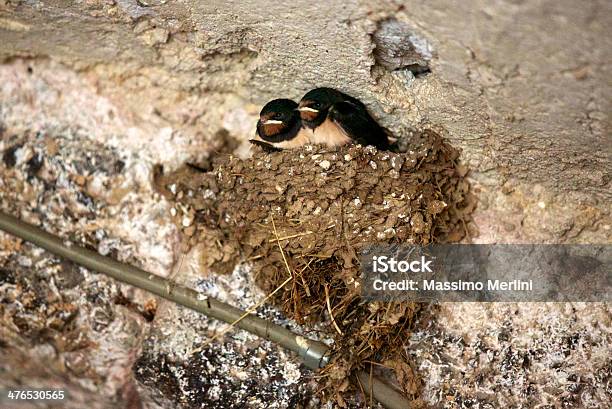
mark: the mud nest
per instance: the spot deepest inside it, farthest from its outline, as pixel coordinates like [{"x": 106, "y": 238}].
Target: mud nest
[{"x": 323, "y": 206}]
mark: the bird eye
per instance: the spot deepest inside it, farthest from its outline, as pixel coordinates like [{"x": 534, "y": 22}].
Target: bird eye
[
  {"x": 277, "y": 116},
  {"x": 316, "y": 105}
]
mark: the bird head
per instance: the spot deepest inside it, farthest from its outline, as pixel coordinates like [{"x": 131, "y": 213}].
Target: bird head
[
  {"x": 315, "y": 105},
  {"x": 277, "y": 117}
]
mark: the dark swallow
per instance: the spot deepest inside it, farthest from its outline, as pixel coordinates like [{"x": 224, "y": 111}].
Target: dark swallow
[
  {"x": 336, "y": 118},
  {"x": 280, "y": 126}
]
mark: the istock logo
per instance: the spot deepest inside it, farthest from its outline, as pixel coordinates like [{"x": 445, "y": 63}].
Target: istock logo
[{"x": 383, "y": 264}]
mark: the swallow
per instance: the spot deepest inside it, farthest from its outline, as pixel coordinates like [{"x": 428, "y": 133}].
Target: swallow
[
  {"x": 280, "y": 126},
  {"x": 336, "y": 118}
]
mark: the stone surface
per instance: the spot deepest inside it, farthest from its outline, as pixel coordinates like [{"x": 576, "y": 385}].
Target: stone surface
[
  {"x": 202, "y": 363},
  {"x": 521, "y": 89},
  {"x": 496, "y": 355},
  {"x": 522, "y": 86}
]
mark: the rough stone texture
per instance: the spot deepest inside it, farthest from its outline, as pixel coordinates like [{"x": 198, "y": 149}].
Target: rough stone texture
[
  {"x": 522, "y": 86},
  {"x": 501, "y": 355},
  {"x": 190, "y": 359}
]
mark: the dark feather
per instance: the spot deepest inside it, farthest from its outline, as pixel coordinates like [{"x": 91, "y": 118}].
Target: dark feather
[
  {"x": 265, "y": 146},
  {"x": 355, "y": 120},
  {"x": 199, "y": 168}
]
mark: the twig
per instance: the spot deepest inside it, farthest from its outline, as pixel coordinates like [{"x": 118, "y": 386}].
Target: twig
[
  {"x": 365, "y": 398},
  {"x": 329, "y": 309},
  {"x": 181, "y": 262},
  {"x": 371, "y": 386},
  {"x": 279, "y": 245},
  {"x": 302, "y": 277},
  {"x": 243, "y": 316},
  {"x": 377, "y": 363},
  {"x": 306, "y": 233},
  {"x": 254, "y": 307}
]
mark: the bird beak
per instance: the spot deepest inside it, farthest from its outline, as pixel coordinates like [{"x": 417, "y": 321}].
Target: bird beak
[
  {"x": 307, "y": 109},
  {"x": 272, "y": 122}
]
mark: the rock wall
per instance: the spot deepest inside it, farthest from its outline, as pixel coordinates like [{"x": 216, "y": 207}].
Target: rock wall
[{"x": 521, "y": 86}]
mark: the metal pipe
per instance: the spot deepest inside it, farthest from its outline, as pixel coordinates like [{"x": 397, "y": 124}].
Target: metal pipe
[{"x": 313, "y": 353}]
